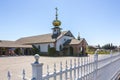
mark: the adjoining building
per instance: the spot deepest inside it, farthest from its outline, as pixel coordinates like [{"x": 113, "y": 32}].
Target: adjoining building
[
  {"x": 63, "y": 41},
  {"x": 9, "y": 48}
]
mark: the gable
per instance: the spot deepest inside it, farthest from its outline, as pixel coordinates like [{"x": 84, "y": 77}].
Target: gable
[
  {"x": 69, "y": 34},
  {"x": 75, "y": 42},
  {"x": 65, "y": 33}
]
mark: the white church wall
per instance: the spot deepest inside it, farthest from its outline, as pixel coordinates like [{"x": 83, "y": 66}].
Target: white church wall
[
  {"x": 44, "y": 46},
  {"x": 61, "y": 41}
]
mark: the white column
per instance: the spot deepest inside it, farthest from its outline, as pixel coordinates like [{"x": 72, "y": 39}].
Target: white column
[
  {"x": 37, "y": 69},
  {"x": 22, "y": 50}
]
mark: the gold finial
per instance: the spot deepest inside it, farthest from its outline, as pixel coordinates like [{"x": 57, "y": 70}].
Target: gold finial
[
  {"x": 56, "y": 13},
  {"x": 56, "y": 22}
]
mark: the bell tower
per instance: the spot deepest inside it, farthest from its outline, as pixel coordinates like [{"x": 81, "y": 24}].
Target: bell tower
[{"x": 56, "y": 23}]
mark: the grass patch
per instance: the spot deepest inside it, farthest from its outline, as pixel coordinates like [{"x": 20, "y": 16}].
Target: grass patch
[{"x": 99, "y": 52}]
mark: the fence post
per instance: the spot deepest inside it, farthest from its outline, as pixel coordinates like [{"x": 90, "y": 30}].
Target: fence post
[
  {"x": 111, "y": 55},
  {"x": 95, "y": 64},
  {"x": 23, "y": 74},
  {"x": 37, "y": 69},
  {"x": 9, "y": 75},
  {"x": 61, "y": 71}
]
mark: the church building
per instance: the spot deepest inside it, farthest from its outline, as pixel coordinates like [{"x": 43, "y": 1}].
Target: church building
[{"x": 63, "y": 41}]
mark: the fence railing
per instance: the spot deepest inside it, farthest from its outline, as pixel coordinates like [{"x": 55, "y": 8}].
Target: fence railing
[
  {"x": 73, "y": 72},
  {"x": 23, "y": 75},
  {"x": 78, "y": 69}
]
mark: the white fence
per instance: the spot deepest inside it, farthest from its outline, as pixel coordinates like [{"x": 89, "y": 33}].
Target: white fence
[{"x": 80, "y": 69}]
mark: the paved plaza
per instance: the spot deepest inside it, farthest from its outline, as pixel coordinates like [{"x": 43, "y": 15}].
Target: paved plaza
[{"x": 16, "y": 65}]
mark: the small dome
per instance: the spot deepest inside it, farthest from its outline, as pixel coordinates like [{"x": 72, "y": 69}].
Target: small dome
[{"x": 56, "y": 23}]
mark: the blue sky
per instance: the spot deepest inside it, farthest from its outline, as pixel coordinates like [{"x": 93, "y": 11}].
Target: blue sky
[{"x": 98, "y": 21}]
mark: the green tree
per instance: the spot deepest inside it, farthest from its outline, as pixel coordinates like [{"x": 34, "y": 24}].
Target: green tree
[
  {"x": 35, "y": 50},
  {"x": 108, "y": 46}
]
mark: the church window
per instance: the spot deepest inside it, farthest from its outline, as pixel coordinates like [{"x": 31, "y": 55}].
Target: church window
[
  {"x": 39, "y": 47},
  {"x": 60, "y": 47},
  {"x": 48, "y": 45},
  {"x": 64, "y": 39},
  {"x": 55, "y": 30}
]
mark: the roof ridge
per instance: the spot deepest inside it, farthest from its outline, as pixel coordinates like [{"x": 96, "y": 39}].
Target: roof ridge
[
  {"x": 33, "y": 36},
  {"x": 38, "y": 35}
]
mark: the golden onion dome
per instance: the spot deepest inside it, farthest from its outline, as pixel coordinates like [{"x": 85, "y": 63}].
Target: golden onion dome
[{"x": 56, "y": 23}]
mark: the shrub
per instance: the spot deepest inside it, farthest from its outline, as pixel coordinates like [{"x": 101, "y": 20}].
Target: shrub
[{"x": 52, "y": 51}]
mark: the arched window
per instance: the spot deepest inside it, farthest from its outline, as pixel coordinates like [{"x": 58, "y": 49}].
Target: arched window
[
  {"x": 60, "y": 47},
  {"x": 39, "y": 47},
  {"x": 48, "y": 46}
]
